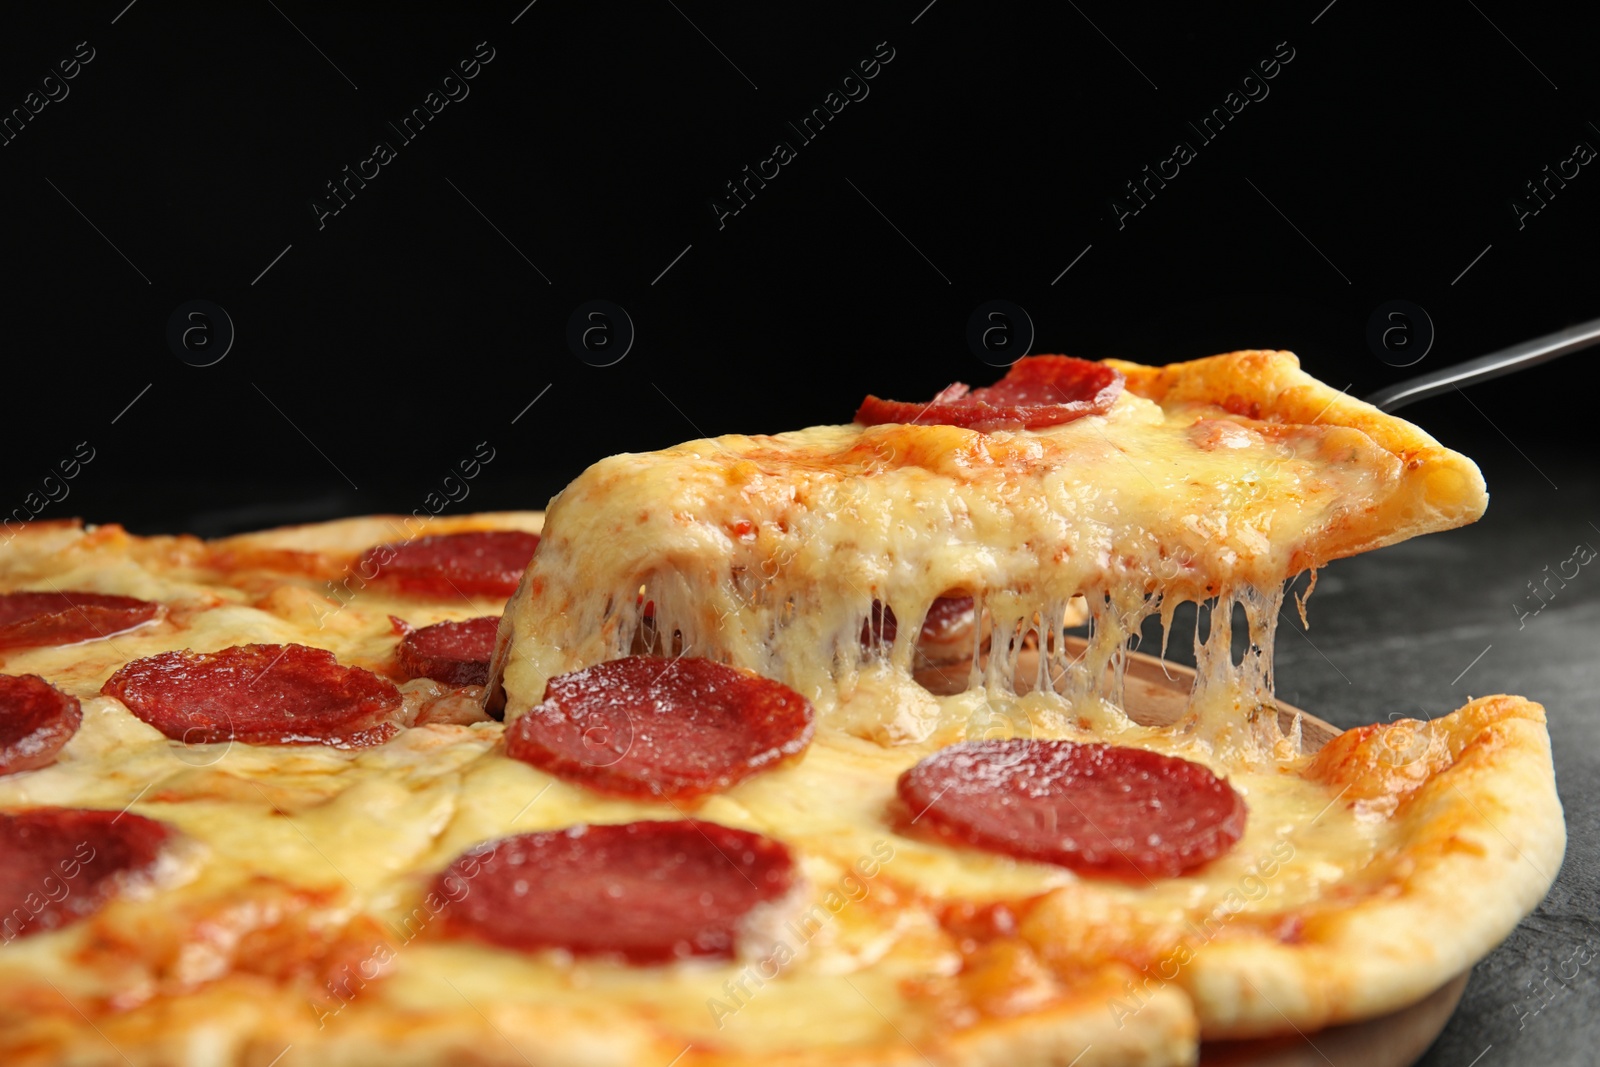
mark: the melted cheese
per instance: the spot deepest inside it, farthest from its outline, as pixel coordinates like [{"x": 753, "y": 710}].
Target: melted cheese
[
  {"x": 769, "y": 552},
  {"x": 371, "y": 829},
  {"x": 347, "y": 837}
]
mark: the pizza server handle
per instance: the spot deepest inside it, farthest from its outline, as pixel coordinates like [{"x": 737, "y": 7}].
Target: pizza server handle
[{"x": 1505, "y": 361}]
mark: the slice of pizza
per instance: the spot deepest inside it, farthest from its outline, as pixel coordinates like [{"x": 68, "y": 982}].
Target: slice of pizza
[{"x": 1134, "y": 488}]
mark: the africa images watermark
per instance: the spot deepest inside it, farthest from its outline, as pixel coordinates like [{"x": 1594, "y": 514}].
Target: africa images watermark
[
  {"x": 356, "y": 575},
  {"x": 51, "y": 89},
  {"x": 1582, "y": 554},
  {"x": 1253, "y": 87},
  {"x": 1540, "y": 996},
  {"x": 352, "y": 979},
  {"x": 452, "y": 88},
  {"x": 53, "y": 489},
  {"x": 851, "y": 87},
  {"x": 884, "y": 456},
  {"x": 1251, "y": 887},
  {"x": 1549, "y": 183},
  {"x": 854, "y": 886},
  {"x": 54, "y": 888}
]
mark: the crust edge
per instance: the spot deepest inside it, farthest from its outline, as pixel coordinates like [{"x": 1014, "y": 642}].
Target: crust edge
[
  {"x": 1439, "y": 489},
  {"x": 1492, "y": 819}
]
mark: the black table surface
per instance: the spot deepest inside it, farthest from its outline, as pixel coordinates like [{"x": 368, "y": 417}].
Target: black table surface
[{"x": 1420, "y": 627}]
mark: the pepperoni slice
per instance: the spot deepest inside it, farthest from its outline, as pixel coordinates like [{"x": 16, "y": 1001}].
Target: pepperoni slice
[
  {"x": 28, "y": 620},
  {"x": 59, "y": 865},
  {"x": 258, "y": 694},
  {"x": 948, "y": 618},
  {"x": 1037, "y": 391},
  {"x": 447, "y": 566},
  {"x": 1099, "y": 809},
  {"x": 36, "y": 719},
  {"x": 667, "y": 729},
  {"x": 455, "y": 653},
  {"x": 650, "y": 892}
]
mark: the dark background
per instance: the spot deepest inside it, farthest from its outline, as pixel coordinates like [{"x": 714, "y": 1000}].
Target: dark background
[
  {"x": 411, "y": 326},
  {"x": 381, "y": 348}
]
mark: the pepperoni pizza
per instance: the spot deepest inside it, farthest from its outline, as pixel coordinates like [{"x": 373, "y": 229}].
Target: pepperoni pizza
[{"x": 773, "y": 747}]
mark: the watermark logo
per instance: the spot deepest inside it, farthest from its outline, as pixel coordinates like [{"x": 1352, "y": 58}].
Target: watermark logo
[
  {"x": 1252, "y": 87},
  {"x": 1400, "y": 333},
  {"x": 600, "y": 333},
  {"x": 455, "y": 489},
  {"x": 1200, "y": 931},
  {"x": 52, "y": 88},
  {"x": 53, "y": 488},
  {"x": 1540, "y": 995},
  {"x": 850, "y": 88},
  {"x": 450, "y": 88},
  {"x": 607, "y": 735},
  {"x": 756, "y": 585},
  {"x": 1582, "y": 554},
  {"x": 342, "y": 987},
  {"x": 999, "y": 332},
  {"x": 854, "y": 886},
  {"x": 200, "y": 333},
  {"x": 197, "y": 749},
  {"x": 1404, "y": 740},
  {"x": 54, "y": 889},
  {"x": 1538, "y": 192}
]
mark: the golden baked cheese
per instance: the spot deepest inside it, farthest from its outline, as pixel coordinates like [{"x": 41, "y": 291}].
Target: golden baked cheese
[
  {"x": 299, "y": 917},
  {"x": 771, "y": 553}
]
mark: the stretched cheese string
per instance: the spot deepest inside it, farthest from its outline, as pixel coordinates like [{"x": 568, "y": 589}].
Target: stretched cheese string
[
  {"x": 787, "y": 634},
  {"x": 772, "y": 554}
]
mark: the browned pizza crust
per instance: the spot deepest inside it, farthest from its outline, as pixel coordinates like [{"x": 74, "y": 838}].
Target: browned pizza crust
[
  {"x": 1481, "y": 837},
  {"x": 1438, "y": 489},
  {"x": 354, "y": 535}
]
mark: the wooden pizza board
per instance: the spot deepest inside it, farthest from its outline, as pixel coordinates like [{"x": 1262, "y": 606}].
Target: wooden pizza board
[
  {"x": 1155, "y": 693},
  {"x": 1395, "y": 1040}
]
